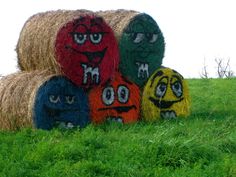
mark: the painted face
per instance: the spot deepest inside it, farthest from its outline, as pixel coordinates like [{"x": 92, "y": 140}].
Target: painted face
[
  {"x": 60, "y": 102},
  {"x": 116, "y": 101},
  {"x": 142, "y": 49},
  {"x": 87, "y": 51},
  {"x": 165, "y": 95}
]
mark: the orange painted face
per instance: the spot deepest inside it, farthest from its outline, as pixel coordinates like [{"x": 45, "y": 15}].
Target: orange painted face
[{"x": 118, "y": 100}]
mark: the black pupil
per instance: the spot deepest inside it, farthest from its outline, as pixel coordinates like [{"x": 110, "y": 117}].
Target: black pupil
[
  {"x": 80, "y": 36},
  {"x": 134, "y": 36},
  {"x": 149, "y": 36},
  {"x": 108, "y": 94},
  {"x": 96, "y": 36},
  {"x": 122, "y": 93},
  {"x": 162, "y": 87},
  {"x": 176, "y": 86}
]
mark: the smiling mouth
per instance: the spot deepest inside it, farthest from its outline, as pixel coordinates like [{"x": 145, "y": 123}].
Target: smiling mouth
[
  {"x": 94, "y": 57},
  {"x": 162, "y": 104},
  {"x": 52, "y": 112},
  {"x": 119, "y": 109},
  {"x": 55, "y": 114},
  {"x": 144, "y": 54}
]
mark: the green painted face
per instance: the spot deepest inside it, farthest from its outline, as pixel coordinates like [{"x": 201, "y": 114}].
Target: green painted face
[{"x": 142, "y": 49}]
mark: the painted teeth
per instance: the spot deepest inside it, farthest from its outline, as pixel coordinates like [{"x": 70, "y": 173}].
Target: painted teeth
[
  {"x": 65, "y": 125},
  {"x": 168, "y": 115},
  {"x": 115, "y": 119},
  {"x": 69, "y": 125}
]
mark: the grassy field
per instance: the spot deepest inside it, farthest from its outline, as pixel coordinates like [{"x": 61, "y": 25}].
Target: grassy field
[{"x": 204, "y": 145}]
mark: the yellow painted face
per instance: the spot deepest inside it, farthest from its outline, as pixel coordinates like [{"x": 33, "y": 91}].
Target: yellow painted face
[{"x": 165, "y": 95}]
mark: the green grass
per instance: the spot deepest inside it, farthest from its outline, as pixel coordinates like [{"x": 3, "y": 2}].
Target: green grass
[{"x": 204, "y": 145}]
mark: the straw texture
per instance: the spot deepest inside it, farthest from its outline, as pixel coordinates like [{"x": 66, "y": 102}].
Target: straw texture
[
  {"x": 118, "y": 100},
  {"x": 87, "y": 51},
  {"x": 141, "y": 43},
  {"x": 36, "y": 44},
  {"x": 42, "y": 100},
  {"x": 77, "y": 43},
  {"x": 118, "y": 19},
  {"x": 17, "y": 96},
  {"x": 166, "y": 96}
]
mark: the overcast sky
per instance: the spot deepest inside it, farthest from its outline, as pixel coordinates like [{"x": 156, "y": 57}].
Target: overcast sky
[{"x": 193, "y": 30}]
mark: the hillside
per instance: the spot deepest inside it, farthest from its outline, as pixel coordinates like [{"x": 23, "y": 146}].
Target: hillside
[{"x": 204, "y": 144}]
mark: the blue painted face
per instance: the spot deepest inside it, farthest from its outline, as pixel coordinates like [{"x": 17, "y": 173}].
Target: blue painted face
[{"x": 60, "y": 103}]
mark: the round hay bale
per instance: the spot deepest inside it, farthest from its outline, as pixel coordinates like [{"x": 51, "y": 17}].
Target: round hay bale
[
  {"x": 165, "y": 95},
  {"x": 117, "y": 100},
  {"x": 42, "y": 100},
  {"x": 36, "y": 44},
  {"x": 77, "y": 43},
  {"x": 141, "y": 43}
]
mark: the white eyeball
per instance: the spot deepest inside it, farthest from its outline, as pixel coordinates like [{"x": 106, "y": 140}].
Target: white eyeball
[
  {"x": 80, "y": 38},
  {"x": 70, "y": 99},
  {"x": 54, "y": 98},
  {"x": 108, "y": 96},
  {"x": 123, "y": 94},
  {"x": 153, "y": 38},
  {"x": 177, "y": 89},
  {"x": 161, "y": 89},
  {"x": 96, "y": 38},
  {"x": 137, "y": 37}
]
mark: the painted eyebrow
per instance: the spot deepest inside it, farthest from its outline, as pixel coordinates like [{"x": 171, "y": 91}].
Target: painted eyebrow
[
  {"x": 97, "y": 22},
  {"x": 177, "y": 77},
  {"x": 174, "y": 71},
  {"x": 79, "y": 20},
  {"x": 77, "y": 25},
  {"x": 159, "y": 73},
  {"x": 129, "y": 29}
]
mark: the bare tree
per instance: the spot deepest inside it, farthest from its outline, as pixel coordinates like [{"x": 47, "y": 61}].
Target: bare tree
[
  {"x": 223, "y": 70},
  {"x": 204, "y": 74},
  {"x": 229, "y": 73}
]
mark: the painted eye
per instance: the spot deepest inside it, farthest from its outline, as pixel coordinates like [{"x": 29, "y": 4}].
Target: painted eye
[
  {"x": 161, "y": 89},
  {"x": 70, "y": 99},
  {"x": 137, "y": 37},
  {"x": 108, "y": 96},
  {"x": 80, "y": 38},
  {"x": 177, "y": 89},
  {"x": 96, "y": 38},
  {"x": 54, "y": 98},
  {"x": 123, "y": 94},
  {"x": 152, "y": 38}
]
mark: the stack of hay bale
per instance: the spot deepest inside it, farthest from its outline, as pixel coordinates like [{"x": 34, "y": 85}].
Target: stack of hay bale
[
  {"x": 41, "y": 95},
  {"x": 80, "y": 66},
  {"x": 41, "y": 99},
  {"x": 141, "y": 43},
  {"x": 142, "y": 47}
]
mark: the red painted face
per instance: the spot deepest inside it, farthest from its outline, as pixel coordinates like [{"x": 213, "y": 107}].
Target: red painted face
[
  {"x": 87, "y": 51},
  {"x": 118, "y": 100}
]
